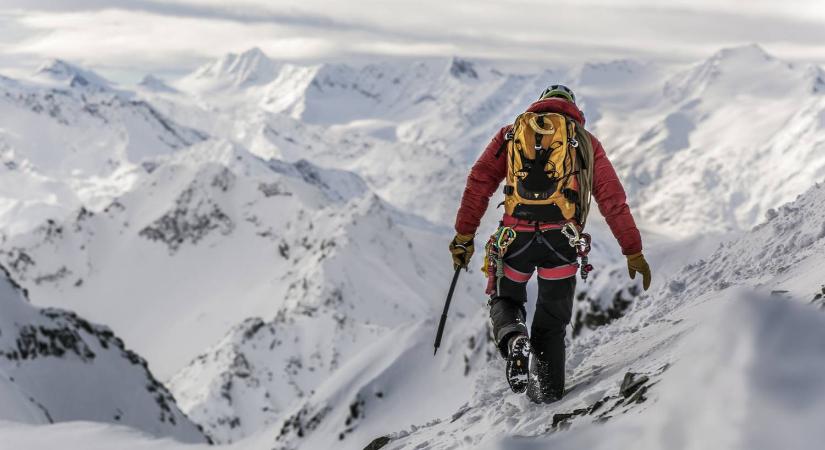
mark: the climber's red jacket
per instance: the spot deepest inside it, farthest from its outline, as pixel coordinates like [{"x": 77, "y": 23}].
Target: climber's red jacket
[{"x": 488, "y": 172}]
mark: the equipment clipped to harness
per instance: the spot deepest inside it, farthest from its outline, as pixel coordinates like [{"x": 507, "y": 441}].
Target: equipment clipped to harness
[
  {"x": 580, "y": 242},
  {"x": 494, "y": 252}
]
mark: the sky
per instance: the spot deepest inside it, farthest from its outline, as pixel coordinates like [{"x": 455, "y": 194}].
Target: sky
[{"x": 125, "y": 39}]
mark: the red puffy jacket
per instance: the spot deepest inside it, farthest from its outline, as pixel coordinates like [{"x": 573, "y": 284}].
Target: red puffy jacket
[{"x": 488, "y": 172}]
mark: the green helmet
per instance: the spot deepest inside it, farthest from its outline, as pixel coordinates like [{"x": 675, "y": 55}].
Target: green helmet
[{"x": 560, "y": 91}]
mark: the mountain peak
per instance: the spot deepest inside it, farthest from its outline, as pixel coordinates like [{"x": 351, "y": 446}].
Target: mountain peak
[
  {"x": 613, "y": 72},
  {"x": 251, "y": 67},
  {"x": 462, "y": 68},
  {"x": 254, "y": 52},
  {"x": 153, "y": 83},
  {"x": 746, "y": 69},
  {"x": 60, "y": 71},
  {"x": 748, "y": 52}
]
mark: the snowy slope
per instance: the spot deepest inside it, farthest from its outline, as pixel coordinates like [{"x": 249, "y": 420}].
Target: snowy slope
[
  {"x": 155, "y": 84},
  {"x": 721, "y": 367},
  {"x": 181, "y": 232},
  {"x": 694, "y": 365},
  {"x": 311, "y": 241},
  {"x": 67, "y": 139},
  {"x": 57, "y": 367},
  {"x": 741, "y": 132}
]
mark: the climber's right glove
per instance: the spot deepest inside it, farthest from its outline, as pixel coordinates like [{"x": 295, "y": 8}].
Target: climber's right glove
[
  {"x": 636, "y": 263},
  {"x": 462, "y": 249}
]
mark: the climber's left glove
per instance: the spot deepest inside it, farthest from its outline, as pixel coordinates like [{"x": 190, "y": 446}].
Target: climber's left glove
[{"x": 637, "y": 263}]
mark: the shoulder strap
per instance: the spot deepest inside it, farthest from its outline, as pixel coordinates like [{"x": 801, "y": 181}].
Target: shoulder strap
[
  {"x": 503, "y": 146},
  {"x": 508, "y": 136},
  {"x": 584, "y": 153}
]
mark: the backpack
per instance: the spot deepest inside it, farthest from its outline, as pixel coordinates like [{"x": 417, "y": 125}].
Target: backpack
[{"x": 549, "y": 169}]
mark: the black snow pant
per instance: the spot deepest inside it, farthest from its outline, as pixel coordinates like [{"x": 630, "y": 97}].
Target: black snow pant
[{"x": 549, "y": 252}]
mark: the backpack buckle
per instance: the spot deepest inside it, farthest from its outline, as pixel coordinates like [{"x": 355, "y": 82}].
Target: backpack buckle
[{"x": 508, "y": 136}]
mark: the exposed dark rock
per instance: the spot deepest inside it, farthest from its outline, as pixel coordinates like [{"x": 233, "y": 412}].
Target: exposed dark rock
[
  {"x": 191, "y": 220},
  {"x": 819, "y": 298},
  {"x": 631, "y": 383},
  {"x": 19, "y": 261},
  {"x": 61, "y": 273},
  {"x": 631, "y": 392},
  {"x": 272, "y": 189},
  {"x": 561, "y": 421},
  {"x": 461, "y": 68},
  {"x": 149, "y": 166},
  {"x": 378, "y": 443},
  {"x": 593, "y": 315},
  {"x": 302, "y": 422},
  {"x": 356, "y": 413}
]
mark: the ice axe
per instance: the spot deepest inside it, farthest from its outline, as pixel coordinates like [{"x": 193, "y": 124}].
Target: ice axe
[{"x": 446, "y": 309}]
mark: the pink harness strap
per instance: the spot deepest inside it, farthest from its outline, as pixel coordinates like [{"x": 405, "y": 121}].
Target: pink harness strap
[
  {"x": 515, "y": 275},
  {"x": 558, "y": 273}
]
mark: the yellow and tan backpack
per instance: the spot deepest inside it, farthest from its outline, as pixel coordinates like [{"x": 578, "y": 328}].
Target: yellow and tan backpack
[{"x": 549, "y": 169}]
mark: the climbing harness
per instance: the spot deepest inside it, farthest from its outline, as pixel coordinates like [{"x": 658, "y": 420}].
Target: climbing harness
[
  {"x": 494, "y": 252},
  {"x": 580, "y": 242}
]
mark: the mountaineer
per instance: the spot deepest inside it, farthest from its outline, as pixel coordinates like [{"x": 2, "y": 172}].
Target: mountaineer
[{"x": 551, "y": 165}]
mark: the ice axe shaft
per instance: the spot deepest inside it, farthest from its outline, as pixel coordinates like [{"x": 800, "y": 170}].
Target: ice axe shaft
[{"x": 446, "y": 309}]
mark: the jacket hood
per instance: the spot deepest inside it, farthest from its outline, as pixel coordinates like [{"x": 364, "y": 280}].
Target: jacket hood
[{"x": 558, "y": 105}]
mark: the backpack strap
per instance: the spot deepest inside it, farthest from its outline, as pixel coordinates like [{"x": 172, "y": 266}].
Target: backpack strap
[
  {"x": 584, "y": 153},
  {"x": 508, "y": 136}
]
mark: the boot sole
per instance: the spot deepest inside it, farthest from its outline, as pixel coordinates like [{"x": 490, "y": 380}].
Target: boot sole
[{"x": 518, "y": 366}]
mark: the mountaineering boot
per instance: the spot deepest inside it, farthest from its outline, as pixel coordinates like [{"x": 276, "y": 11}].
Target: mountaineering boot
[
  {"x": 541, "y": 387},
  {"x": 518, "y": 361}
]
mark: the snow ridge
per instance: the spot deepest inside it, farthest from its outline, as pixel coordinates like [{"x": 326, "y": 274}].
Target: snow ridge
[{"x": 64, "y": 368}]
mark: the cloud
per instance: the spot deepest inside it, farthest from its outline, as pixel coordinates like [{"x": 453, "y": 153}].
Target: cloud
[{"x": 154, "y": 35}]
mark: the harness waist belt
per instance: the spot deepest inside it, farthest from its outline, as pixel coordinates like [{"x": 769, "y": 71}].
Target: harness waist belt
[{"x": 524, "y": 225}]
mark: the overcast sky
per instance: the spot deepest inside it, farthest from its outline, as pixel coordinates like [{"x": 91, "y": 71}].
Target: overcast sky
[{"x": 125, "y": 39}]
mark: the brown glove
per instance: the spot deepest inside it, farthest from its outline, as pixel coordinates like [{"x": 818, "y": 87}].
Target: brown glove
[
  {"x": 462, "y": 249},
  {"x": 637, "y": 263}
]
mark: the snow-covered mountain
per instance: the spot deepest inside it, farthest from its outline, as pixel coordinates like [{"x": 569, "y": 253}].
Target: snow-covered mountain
[
  {"x": 69, "y": 140},
  {"x": 703, "y": 124},
  {"x": 311, "y": 241},
  {"x": 181, "y": 231},
  {"x": 281, "y": 230},
  {"x": 59, "y": 73},
  {"x": 57, "y": 367},
  {"x": 741, "y": 131},
  {"x": 155, "y": 84},
  {"x": 249, "y": 68}
]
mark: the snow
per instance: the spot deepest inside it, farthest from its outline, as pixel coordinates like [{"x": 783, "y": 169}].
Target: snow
[
  {"x": 271, "y": 238},
  {"x": 249, "y": 68},
  {"x": 56, "y": 367},
  {"x": 86, "y": 436},
  {"x": 61, "y": 73},
  {"x": 731, "y": 349},
  {"x": 63, "y": 148},
  {"x": 762, "y": 389},
  {"x": 155, "y": 84}
]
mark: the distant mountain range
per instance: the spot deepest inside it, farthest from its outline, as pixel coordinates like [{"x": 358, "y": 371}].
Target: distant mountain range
[{"x": 271, "y": 237}]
